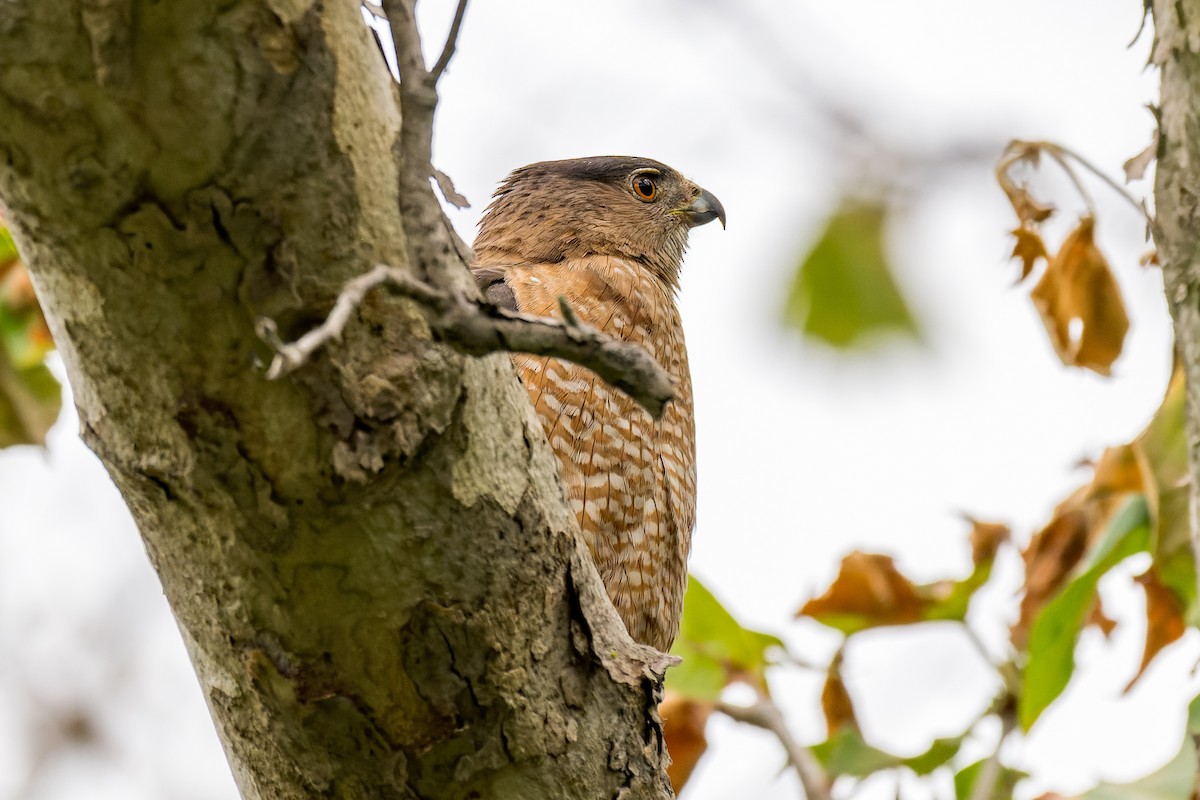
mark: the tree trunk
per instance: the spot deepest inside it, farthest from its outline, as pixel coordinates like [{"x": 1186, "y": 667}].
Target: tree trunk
[
  {"x": 371, "y": 562},
  {"x": 1177, "y": 202}
]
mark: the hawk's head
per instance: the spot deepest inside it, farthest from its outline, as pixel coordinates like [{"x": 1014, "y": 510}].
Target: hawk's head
[{"x": 634, "y": 208}]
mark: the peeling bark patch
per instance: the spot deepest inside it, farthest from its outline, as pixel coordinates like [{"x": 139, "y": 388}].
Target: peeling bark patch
[
  {"x": 107, "y": 25},
  {"x": 327, "y": 716},
  {"x": 495, "y": 463},
  {"x": 277, "y": 43},
  {"x": 384, "y": 408},
  {"x": 429, "y": 660}
]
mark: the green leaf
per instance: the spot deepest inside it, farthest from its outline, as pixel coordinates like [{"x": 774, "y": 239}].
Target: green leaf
[
  {"x": 938, "y": 754},
  {"x": 1193, "y": 726},
  {"x": 1051, "y": 656},
  {"x": 716, "y": 649},
  {"x": 965, "y": 778},
  {"x": 8, "y": 248},
  {"x": 846, "y": 753},
  {"x": 30, "y": 396},
  {"x": 1162, "y": 455},
  {"x": 952, "y": 605},
  {"x": 24, "y": 336},
  {"x": 844, "y": 291},
  {"x": 1175, "y": 780},
  {"x": 30, "y": 399}
]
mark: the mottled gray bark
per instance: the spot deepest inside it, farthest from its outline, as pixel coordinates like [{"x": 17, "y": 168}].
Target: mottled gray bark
[
  {"x": 370, "y": 560},
  {"x": 1177, "y": 201}
]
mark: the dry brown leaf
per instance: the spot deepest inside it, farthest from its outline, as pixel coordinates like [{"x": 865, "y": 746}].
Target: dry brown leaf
[
  {"x": 1080, "y": 304},
  {"x": 986, "y": 538},
  {"x": 868, "y": 585},
  {"x": 1028, "y": 249},
  {"x": 16, "y": 288},
  {"x": 17, "y": 295},
  {"x": 1164, "y": 619},
  {"x": 1103, "y": 621},
  {"x": 1117, "y": 472},
  {"x": 1027, "y": 208},
  {"x": 683, "y": 727},
  {"x": 1049, "y": 557},
  {"x": 835, "y": 700},
  {"x": 1078, "y": 522},
  {"x": 1149, "y": 259},
  {"x": 7, "y": 265}
]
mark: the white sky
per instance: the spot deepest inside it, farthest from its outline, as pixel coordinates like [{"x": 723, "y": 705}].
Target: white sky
[{"x": 804, "y": 455}]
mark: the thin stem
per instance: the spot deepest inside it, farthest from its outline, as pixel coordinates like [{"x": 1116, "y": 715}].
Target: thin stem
[
  {"x": 978, "y": 644},
  {"x": 1116, "y": 187},
  {"x": 1022, "y": 150},
  {"x": 451, "y": 43},
  {"x": 1060, "y": 153},
  {"x": 1059, "y": 158},
  {"x": 766, "y": 715}
]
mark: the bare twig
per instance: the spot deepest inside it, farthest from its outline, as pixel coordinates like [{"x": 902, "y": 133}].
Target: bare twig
[
  {"x": 1060, "y": 158},
  {"x": 451, "y": 42},
  {"x": 1018, "y": 150},
  {"x": 1006, "y": 670},
  {"x": 452, "y": 195},
  {"x": 1135, "y": 167},
  {"x": 766, "y": 715},
  {"x": 478, "y": 328},
  {"x": 1102, "y": 175}
]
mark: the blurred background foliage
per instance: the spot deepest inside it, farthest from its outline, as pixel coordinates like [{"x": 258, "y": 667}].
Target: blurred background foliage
[
  {"x": 1137, "y": 503},
  {"x": 30, "y": 396}
]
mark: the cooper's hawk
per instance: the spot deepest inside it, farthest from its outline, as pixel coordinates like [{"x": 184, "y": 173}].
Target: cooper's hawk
[{"x": 608, "y": 234}]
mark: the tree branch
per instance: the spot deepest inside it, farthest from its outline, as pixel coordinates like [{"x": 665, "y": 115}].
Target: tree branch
[
  {"x": 766, "y": 715},
  {"x": 451, "y": 41},
  {"x": 435, "y": 250},
  {"x": 478, "y": 328}
]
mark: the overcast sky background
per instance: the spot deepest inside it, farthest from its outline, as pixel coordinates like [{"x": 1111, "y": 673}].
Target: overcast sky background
[{"x": 804, "y": 454}]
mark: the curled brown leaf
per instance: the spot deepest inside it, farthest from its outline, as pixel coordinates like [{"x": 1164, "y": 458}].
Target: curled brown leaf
[
  {"x": 868, "y": 585},
  {"x": 1164, "y": 619},
  {"x": 684, "y": 720},
  {"x": 1080, "y": 304},
  {"x": 1028, "y": 209},
  {"x": 986, "y": 538},
  {"x": 1049, "y": 557},
  {"x": 1100, "y": 619},
  {"x": 1028, "y": 248},
  {"x": 836, "y": 704}
]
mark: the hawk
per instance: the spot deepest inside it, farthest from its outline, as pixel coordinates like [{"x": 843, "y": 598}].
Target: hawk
[{"x": 608, "y": 234}]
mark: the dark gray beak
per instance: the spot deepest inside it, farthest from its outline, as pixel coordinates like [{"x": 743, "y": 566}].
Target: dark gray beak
[{"x": 705, "y": 208}]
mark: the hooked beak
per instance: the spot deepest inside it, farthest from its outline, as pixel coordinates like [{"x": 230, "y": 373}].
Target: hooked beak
[{"x": 704, "y": 208}]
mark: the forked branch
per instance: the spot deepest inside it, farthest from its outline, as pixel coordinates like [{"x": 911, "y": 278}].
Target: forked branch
[
  {"x": 476, "y": 327},
  {"x": 766, "y": 715}
]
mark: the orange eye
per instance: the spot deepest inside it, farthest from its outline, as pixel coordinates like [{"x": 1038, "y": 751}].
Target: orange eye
[{"x": 644, "y": 188}]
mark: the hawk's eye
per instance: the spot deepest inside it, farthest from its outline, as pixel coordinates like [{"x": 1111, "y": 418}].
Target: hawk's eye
[{"x": 644, "y": 188}]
